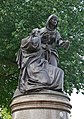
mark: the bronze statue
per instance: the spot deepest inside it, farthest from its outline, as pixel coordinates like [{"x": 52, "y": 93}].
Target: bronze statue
[{"x": 37, "y": 59}]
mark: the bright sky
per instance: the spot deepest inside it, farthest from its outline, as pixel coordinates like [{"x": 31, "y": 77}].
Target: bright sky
[{"x": 77, "y": 101}]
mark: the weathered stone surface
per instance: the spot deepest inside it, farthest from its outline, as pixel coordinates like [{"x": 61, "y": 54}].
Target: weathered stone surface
[{"x": 41, "y": 105}]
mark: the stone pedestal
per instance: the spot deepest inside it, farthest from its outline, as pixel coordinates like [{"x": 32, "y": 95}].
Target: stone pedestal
[{"x": 41, "y": 105}]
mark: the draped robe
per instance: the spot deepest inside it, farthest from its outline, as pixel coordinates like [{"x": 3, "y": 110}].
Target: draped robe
[{"x": 35, "y": 71}]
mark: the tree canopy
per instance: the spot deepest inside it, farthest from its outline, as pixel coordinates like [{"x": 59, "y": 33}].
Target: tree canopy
[{"x": 19, "y": 17}]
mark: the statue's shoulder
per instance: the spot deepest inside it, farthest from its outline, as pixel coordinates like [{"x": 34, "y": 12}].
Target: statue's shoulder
[
  {"x": 42, "y": 30},
  {"x": 24, "y": 40},
  {"x": 57, "y": 31}
]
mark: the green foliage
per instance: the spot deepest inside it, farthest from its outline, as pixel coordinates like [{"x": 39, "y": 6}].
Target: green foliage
[
  {"x": 5, "y": 114},
  {"x": 19, "y": 17}
]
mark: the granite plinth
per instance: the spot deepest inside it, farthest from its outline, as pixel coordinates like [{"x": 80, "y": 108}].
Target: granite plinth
[{"x": 41, "y": 105}]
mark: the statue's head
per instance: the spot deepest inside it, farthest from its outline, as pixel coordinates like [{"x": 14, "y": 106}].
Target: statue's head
[
  {"x": 52, "y": 22},
  {"x": 35, "y": 32}
]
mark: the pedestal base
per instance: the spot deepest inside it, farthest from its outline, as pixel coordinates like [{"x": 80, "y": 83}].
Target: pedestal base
[{"x": 41, "y": 105}]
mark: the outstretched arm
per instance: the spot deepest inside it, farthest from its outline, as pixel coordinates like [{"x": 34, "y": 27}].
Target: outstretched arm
[
  {"x": 61, "y": 42},
  {"x": 64, "y": 44}
]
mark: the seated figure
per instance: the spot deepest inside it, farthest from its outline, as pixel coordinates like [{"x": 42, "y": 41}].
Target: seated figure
[{"x": 37, "y": 60}]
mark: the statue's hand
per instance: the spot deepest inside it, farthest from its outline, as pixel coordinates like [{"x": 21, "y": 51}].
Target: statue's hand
[{"x": 65, "y": 44}]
